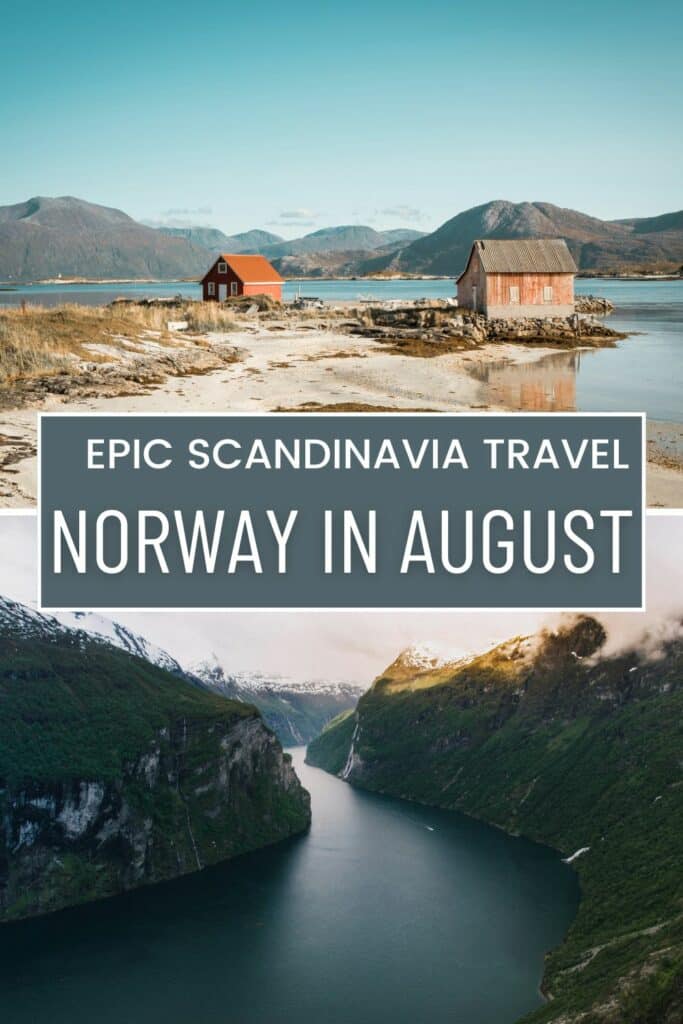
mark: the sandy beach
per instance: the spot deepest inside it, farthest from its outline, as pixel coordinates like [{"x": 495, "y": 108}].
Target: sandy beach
[{"x": 297, "y": 367}]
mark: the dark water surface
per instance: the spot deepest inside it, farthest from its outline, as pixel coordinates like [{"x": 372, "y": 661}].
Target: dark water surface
[{"x": 370, "y": 918}]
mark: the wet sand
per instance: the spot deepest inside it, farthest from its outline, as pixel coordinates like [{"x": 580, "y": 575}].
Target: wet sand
[{"x": 295, "y": 367}]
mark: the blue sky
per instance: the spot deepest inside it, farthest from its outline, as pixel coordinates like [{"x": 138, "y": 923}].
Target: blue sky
[{"x": 294, "y": 116}]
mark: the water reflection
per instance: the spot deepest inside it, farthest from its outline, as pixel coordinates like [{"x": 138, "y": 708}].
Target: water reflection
[{"x": 548, "y": 385}]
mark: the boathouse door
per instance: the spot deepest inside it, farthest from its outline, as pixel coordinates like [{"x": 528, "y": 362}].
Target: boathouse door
[
  {"x": 474, "y": 297},
  {"x": 222, "y": 292}
]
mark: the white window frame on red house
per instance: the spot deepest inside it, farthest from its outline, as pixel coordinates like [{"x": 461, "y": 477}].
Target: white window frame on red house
[
  {"x": 233, "y": 287},
  {"x": 514, "y": 294},
  {"x": 210, "y": 287},
  {"x": 547, "y": 293},
  {"x": 222, "y": 267}
]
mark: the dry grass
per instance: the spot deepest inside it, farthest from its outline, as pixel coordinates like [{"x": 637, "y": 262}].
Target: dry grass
[
  {"x": 205, "y": 317},
  {"x": 37, "y": 341}
]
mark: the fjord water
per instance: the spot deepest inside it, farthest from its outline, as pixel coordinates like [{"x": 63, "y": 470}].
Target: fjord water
[{"x": 385, "y": 912}]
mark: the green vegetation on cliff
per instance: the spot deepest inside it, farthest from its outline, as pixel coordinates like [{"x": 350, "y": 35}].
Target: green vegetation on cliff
[
  {"x": 330, "y": 750},
  {"x": 544, "y": 738},
  {"x": 74, "y": 708},
  {"x": 115, "y": 773}
]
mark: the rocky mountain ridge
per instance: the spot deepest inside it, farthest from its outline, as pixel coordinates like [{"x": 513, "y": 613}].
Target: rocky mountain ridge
[
  {"x": 69, "y": 237},
  {"x": 596, "y": 245}
]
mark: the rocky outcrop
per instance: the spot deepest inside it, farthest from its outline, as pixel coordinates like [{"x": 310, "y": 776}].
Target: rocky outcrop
[
  {"x": 594, "y": 304},
  {"x": 442, "y": 321},
  {"x": 201, "y": 793}
]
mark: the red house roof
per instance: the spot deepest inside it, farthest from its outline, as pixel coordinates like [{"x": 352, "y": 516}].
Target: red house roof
[{"x": 249, "y": 269}]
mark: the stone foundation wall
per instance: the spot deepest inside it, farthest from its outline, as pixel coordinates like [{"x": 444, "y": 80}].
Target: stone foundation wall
[{"x": 533, "y": 312}]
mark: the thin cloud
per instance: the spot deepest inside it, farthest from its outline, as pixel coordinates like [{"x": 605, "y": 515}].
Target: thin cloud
[
  {"x": 299, "y": 217},
  {"x": 180, "y": 217},
  {"x": 409, "y": 213},
  {"x": 187, "y": 211}
]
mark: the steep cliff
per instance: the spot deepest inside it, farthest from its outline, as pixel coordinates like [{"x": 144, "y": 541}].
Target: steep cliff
[
  {"x": 542, "y": 736},
  {"x": 114, "y": 773}
]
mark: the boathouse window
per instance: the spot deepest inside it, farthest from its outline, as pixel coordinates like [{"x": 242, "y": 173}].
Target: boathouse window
[
  {"x": 222, "y": 268},
  {"x": 514, "y": 294},
  {"x": 233, "y": 287},
  {"x": 548, "y": 293},
  {"x": 211, "y": 290}
]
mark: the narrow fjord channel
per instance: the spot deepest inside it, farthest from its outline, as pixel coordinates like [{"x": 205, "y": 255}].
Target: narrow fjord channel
[{"x": 385, "y": 912}]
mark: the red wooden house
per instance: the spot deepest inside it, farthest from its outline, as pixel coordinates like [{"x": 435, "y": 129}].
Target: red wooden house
[
  {"x": 518, "y": 277},
  {"x": 232, "y": 275}
]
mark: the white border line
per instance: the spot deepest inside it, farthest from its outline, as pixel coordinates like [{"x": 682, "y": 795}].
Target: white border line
[{"x": 337, "y": 416}]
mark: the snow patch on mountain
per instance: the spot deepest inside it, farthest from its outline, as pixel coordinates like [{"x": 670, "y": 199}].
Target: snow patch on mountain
[
  {"x": 212, "y": 671},
  {"x": 119, "y": 636},
  {"x": 425, "y": 656},
  {"x": 28, "y": 621}
]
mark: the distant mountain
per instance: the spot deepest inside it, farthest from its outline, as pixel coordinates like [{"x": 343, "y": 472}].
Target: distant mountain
[
  {"x": 296, "y": 711},
  {"x": 345, "y": 238},
  {"x": 215, "y": 241},
  {"x": 665, "y": 223},
  {"x": 340, "y": 263},
  {"x": 401, "y": 235},
  {"x": 550, "y": 738},
  {"x": 595, "y": 244},
  {"x": 330, "y": 244},
  {"x": 67, "y": 237}
]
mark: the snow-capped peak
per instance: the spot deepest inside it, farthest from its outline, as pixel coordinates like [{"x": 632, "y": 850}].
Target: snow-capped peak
[
  {"x": 212, "y": 671},
  {"x": 119, "y": 636},
  {"x": 30, "y": 621},
  {"x": 25, "y": 619},
  {"x": 426, "y": 655}
]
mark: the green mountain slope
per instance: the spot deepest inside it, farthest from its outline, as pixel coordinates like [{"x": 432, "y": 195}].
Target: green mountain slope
[
  {"x": 114, "y": 773},
  {"x": 542, "y": 737}
]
